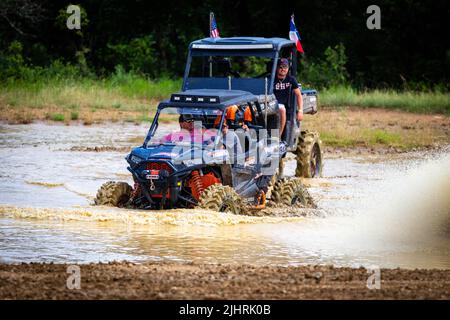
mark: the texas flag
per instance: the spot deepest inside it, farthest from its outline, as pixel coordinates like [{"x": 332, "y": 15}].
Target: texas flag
[{"x": 294, "y": 35}]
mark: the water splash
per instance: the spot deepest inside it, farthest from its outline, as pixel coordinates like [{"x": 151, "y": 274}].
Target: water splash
[
  {"x": 176, "y": 217},
  {"x": 411, "y": 206}
]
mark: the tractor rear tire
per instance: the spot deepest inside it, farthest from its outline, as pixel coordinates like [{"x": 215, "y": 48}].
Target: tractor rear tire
[
  {"x": 309, "y": 155},
  {"x": 218, "y": 197},
  {"x": 115, "y": 194},
  {"x": 295, "y": 194}
]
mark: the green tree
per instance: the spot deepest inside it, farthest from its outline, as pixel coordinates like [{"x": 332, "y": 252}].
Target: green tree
[
  {"x": 12, "y": 64},
  {"x": 329, "y": 71},
  {"x": 137, "y": 55}
]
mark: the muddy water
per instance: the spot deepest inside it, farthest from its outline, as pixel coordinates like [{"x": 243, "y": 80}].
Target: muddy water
[{"x": 390, "y": 212}]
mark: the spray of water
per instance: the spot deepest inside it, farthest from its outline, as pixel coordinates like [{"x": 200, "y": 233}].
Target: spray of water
[
  {"x": 412, "y": 205},
  {"x": 400, "y": 218}
]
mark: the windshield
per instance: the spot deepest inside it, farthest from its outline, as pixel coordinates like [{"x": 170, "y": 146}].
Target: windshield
[
  {"x": 183, "y": 126},
  {"x": 247, "y": 73},
  {"x": 230, "y": 66}
]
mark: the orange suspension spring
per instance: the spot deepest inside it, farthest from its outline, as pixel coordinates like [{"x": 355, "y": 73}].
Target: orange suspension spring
[{"x": 197, "y": 180}]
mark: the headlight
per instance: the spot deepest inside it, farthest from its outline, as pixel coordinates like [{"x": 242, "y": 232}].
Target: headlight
[{"x": 135, "y": 159}]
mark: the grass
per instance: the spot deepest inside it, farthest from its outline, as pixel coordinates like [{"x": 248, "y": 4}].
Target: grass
[
  {"x": 417, "y": 102},
  {"x": 57, "y": 117},
  {"x": 74, "y": 115},
  {"x": 365, "y": 138},
  {"x": 380, "y": 136},
  {"x": 354, "y": 127},
  {"x": 119, "y": 97},
  {"x": 131, "y": 98},
  {"x": 124, "y": 93}
]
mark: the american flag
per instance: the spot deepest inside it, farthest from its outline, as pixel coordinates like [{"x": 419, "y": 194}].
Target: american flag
[
  {"x": 294, "y": 35},
  {"x": 214, "y": 32}
]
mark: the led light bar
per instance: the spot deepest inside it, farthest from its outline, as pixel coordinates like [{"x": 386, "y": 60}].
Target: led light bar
[
  {"x": 232, "y": 47},
  {"x": 190, "y": 99}
]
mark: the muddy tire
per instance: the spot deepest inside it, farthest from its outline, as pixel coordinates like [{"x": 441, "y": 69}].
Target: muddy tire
[
  {"x": 277, "y": 191},
  {"x": 218, "y": 197},
  {"x": 295, "y": 194},
  {"x": 115, "y": 194},
  {"x": 309, "y": 155},
  {"x": 279, "y": 173}
]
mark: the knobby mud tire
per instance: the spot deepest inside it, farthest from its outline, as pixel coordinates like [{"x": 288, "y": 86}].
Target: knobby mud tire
[
  {"x": 115, "y": 194},
  {"x": 295, "y": 194},
  {"x": 218, "y": 197},
  {"x": 279, "y": 173},
  {"x": 309, "y": 155},
  {"x": 291, "y": 192},
  {"x": 277, "y": 191}
]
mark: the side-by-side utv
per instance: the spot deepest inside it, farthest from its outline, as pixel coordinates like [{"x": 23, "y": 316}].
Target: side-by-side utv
[{"x": 216, "y": 143}]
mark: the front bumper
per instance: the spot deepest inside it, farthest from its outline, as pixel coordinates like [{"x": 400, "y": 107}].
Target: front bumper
[{"x": 160, "y": 190}]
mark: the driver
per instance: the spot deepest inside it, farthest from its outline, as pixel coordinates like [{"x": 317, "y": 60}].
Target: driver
[
  {"x": 186, "y": 132},
  {"x": 189, "y": 133}
]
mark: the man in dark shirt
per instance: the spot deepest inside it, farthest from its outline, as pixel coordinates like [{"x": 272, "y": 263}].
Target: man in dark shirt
[{"x": 283, "y": 85}]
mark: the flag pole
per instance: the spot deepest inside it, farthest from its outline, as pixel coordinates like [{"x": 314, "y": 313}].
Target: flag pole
[
  {"x": 211, "y": 14},
  {"x": 294, "y": 55},
  {"x": 210, "y": 22}
]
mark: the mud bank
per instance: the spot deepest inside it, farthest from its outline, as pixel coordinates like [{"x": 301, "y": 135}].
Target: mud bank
[{"x": 207, "y": 281}]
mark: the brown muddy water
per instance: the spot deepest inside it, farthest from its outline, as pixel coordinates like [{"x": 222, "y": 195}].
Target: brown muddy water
[{"x": 372, "y": 211}]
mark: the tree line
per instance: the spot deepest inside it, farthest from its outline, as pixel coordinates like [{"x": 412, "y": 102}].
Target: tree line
[{"x": 411, "y": 50}]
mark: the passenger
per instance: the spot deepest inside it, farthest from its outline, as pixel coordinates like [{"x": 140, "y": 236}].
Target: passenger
[
  {"x": 247, "y": 118},
  {"x": 283, "y": 84},
  {"x": 232, "y": 117},
  {"x": 238, "y": 117}
]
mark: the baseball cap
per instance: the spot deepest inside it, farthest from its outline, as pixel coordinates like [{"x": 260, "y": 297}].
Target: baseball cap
[
  {"x": 186, "y": 117},
  {"x": 283, "y": 61}
]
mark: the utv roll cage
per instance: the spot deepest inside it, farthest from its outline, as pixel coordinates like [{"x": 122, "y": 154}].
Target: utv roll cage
[{"x": 239, "y": 46}]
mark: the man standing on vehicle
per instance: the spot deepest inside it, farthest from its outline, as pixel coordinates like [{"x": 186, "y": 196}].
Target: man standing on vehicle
[{"x": 283, "y": 85}]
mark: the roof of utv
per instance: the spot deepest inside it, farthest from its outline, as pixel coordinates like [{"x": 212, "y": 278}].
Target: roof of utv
[
  {"x": 222, "y": 98},
  {"x": 241, "y": 43}
]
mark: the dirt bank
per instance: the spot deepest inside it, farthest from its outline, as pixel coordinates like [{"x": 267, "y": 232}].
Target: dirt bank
[
  {"x": 198, "y": 281},
  {"x": 375, "y": 129},
  {"x": 366, "y": 130}
]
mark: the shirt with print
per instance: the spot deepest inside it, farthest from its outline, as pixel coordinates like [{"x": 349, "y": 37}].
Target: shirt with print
[{"x": 282, "y": 88}]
